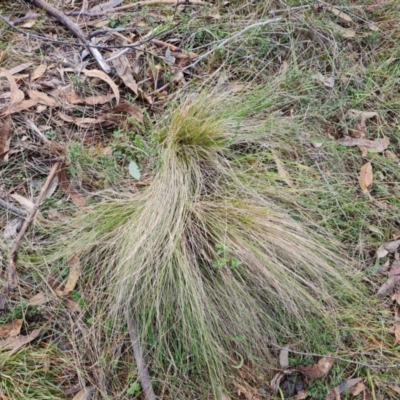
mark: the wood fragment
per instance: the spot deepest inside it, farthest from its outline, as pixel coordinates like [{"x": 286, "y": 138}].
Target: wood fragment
[{"x": 12, "y": 266}]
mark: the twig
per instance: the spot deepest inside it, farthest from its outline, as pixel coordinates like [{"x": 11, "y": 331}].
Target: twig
[
  {"x": 94, "y": 46},
  {"x": 140, "y": 4},
  {"x": 361, "y": 364},
  {"x": 143, "y": 372},
  {"x": 13, "y": 209},
  {"x": 76, "y": 31},
  {"x": 12, "y": 267},
  {"x": 224, "y": 42}
]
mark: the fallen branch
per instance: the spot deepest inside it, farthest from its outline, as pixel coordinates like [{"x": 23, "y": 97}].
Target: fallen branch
[
  {"x": 139, "y": 4},
  {"x": 13, "y": 209},
  {"x": 12, "y": 266},
  {"x": 143, "y": 372},
  {"x": 224, "y": 42},
  {"x": 76, "y": 31},
  {"x": 86, "y": 45}
]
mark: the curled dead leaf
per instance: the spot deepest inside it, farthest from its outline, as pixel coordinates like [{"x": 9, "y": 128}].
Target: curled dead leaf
[
  {"x": 15, "y": 343},
  {"x": 365, "y": 145},
  {"x": 74, "y": 273},
  {"x": 386, "y": 248},
  {"x": 318, "y": 370},
  {"x": 334, "y": 394},
  {"x": 94, "y": 73},
  {"x": 84, "y": 122},
  {"x": 122, "y": 65}
]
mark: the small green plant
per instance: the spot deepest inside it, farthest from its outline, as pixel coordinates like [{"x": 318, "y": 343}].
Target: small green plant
[{"x": 134, "y": 389}]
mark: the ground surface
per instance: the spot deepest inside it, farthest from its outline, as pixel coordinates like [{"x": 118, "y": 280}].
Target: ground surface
[{"x": 329, "y": 70}]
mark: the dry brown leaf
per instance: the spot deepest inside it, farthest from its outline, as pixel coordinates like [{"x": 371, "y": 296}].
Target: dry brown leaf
[
  {"x": 365, "y": 145},
  {"x": 94, "y": 73},
  {"x": 326, "y": 81},
  {"x": 364, "y": 115},
  {"x": 55, "y": 214},
  {"x": 17, "y": 95},
  {"x": 284, "y": 357},
  {"x": 397, "y": 324},
  {"x": 72, "y": 305},
  {"x": 3, "y": 397},
  {"x": 26, "y": 203},
  {"x": 78, "y": 199},
  {"x": 5, "y": 126},
  {"x": 84, "y": 394},
  {"x": 74, "y": 98},
  {"x": 122, "y": 65},
  {"x": 74, "y": 274},
  {"x": 386, "y": 248},
  {"x": 339, "y": 13},
  {"x": 23, "y": 105},
  {"x": 283, "y": 174},
  {"x": 348, "y": 33},
  {"x": 358, "y": 389},
  {"x": 17, "y": 342},
  {"x": 387, "y": 288},
  {"x": 39, "y": 72},
  {"x": 360, "y": 131},
  {"x": 11, "y": 329},
  {"x": 42, "y": 98},
  {"x": 38, "y": 300},
  {"x": 366, "y": 176},
  {"x": 19, "y": 68},
  {"x": 130, "y": 109},
  {"x": 334, "y": 394},
  {"x": 84, "y": 122},
  {"x": 318, "y": 370}
]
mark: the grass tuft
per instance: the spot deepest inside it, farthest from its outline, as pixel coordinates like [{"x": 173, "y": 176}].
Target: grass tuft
[{"x": 212, "y": 268}]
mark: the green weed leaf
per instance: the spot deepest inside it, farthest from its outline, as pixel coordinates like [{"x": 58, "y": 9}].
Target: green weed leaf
[{"x": 134, "y": 170}]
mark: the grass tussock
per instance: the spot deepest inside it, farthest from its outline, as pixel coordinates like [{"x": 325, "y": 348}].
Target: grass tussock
[{"x": 212, "y": 270}]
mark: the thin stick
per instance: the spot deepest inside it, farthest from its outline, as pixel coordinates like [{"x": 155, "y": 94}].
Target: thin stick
[
  {"x": 76, "y": 31},
  {"x": 12, "y": 267},
  {"x": 224, "y": 42},
  {"x": 143, "y": 372},
  {"x": 361, "y": 364},
  {"x": 13, "y": 209}
]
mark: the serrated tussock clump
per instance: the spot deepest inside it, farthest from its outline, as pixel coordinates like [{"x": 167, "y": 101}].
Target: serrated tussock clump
[{"x": 212, "y": 270}]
